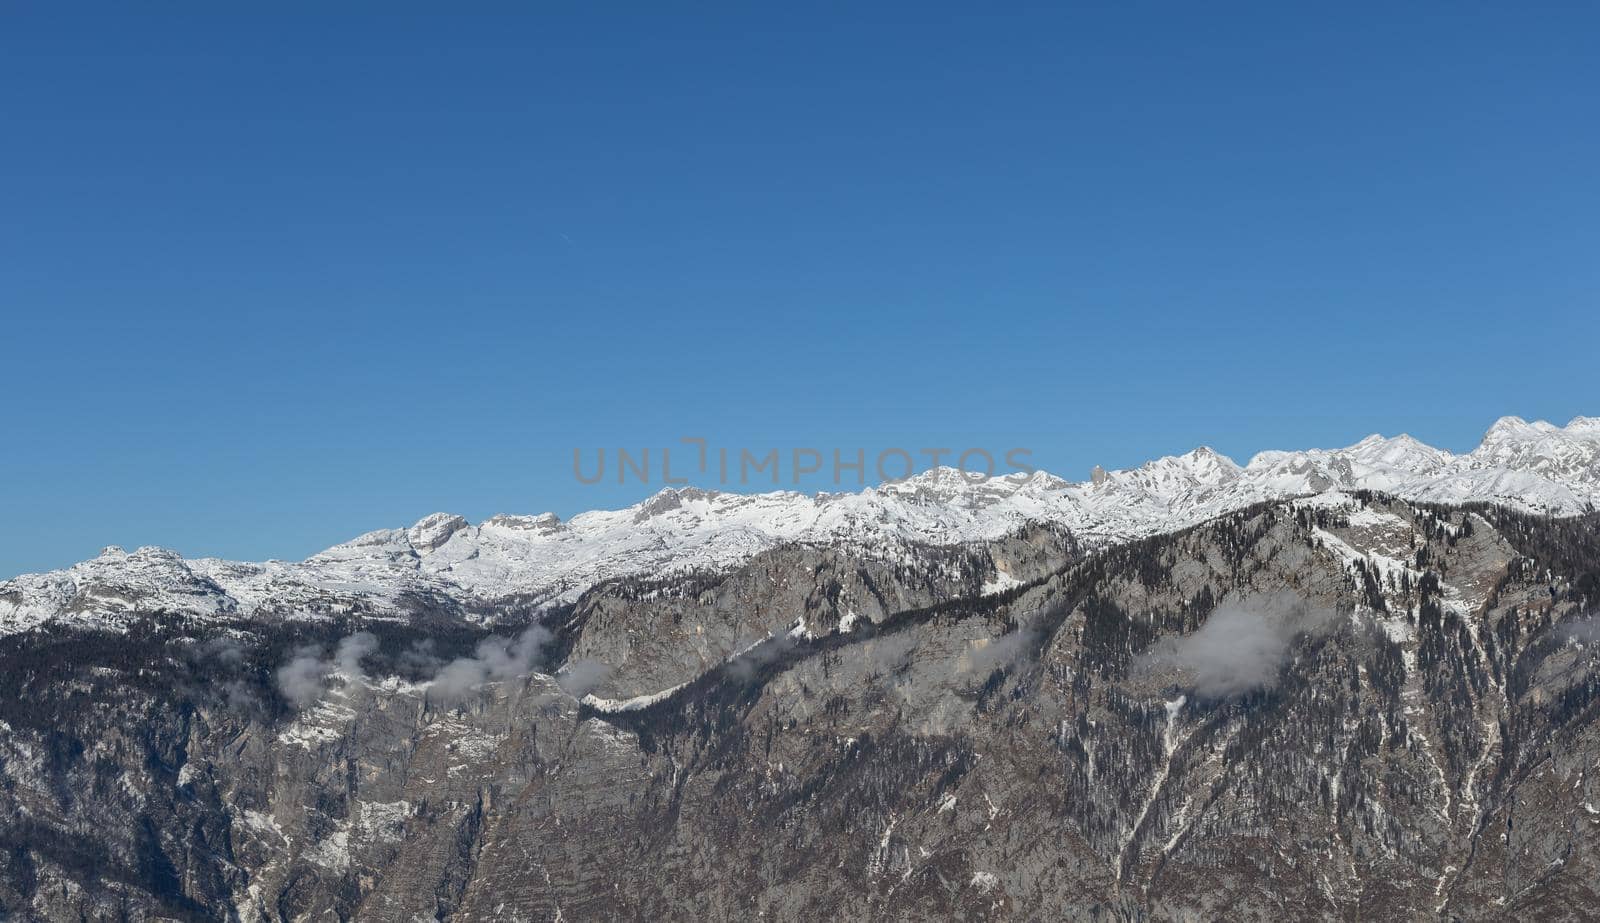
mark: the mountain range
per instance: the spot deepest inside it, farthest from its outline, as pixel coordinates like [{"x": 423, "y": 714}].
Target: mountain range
[{"x": 480, "y": 569}]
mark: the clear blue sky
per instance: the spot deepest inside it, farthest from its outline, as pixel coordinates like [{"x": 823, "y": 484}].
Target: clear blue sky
[{"x": 273, "y": 278}]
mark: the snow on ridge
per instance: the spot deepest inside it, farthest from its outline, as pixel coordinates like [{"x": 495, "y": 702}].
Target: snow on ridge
[{"x": 1535, "y": 466}]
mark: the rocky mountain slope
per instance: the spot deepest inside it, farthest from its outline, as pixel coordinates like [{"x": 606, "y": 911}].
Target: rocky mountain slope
[
  {"x": 1347, "y": 706},
  {"x": 516, "y": 562}
]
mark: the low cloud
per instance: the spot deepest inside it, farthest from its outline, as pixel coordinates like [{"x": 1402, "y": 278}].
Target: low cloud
[
  {"x": 300, "y": 680},
  {"x": 986, "y": 655},
  {"x": 891, "y": 651},
  {"x": 1585, "y": 630},
  {"x": 305, "y": 677},
  {"x": 745, "y": 666},
  {"x": 495, "y": 659},
  {"x": 222, "y": 649},
  {"x": 347, "y": 659},
  {"x": 1240, "y": 648},
  {"x": 419, "y": 660},
  {"x": 580, "y": 677},
  {"x": 311, "y": 670}
]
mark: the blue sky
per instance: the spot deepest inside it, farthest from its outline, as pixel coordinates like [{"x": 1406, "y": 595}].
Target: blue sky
[{"x": 273, "y": 278}]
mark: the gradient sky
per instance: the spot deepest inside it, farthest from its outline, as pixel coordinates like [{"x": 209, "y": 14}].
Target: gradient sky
[{"x": 270, "y": 279}]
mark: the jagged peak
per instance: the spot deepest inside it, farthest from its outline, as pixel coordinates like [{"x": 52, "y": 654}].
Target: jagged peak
[
  {"x": 434, "y": 530},
  {"x": 1041, "y": 480},
  {"x": 1202, "y": 463},
  {"x": 1514, "y": 428},
  {"x": 375, "y": 538},
  {"x": 942, "y": 476},
  {"x": 1402, "y": 451},
  {"x": 543, "y": 522},
  {"x": 671, "y": 498},
  {"x": 1206, "y": 455},
  {"x": 1508, "y": 424}
]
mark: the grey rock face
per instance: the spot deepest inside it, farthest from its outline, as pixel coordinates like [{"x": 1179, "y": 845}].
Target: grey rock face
[{"x": 1306, "y": 710}]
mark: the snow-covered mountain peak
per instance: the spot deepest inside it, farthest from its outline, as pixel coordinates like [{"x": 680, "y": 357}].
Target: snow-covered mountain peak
[
  {"x": 945, "y": 484},
  {"x": 363, "y": 544},
  {"x": 1202, "y": 468},
  {"x": 1566, "y": 455},
  {"x": 1399, "y": 452},
  {"x": 432, "y": 531},
  {"x": 1511, "y": 428},
  {"x": 670, "y": 499},
  {"x": 544, "y": 523},
  {"x": 1210, "y": 467}
]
